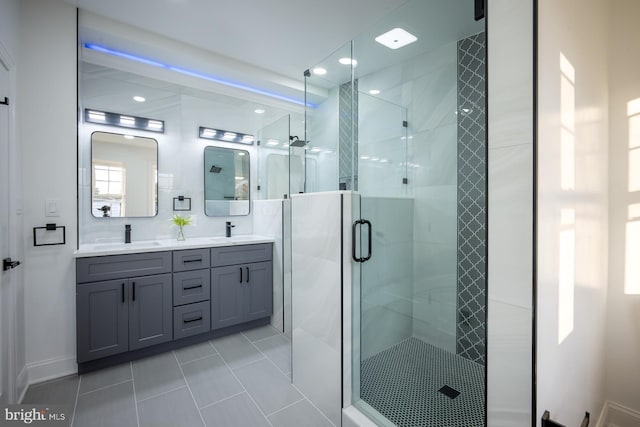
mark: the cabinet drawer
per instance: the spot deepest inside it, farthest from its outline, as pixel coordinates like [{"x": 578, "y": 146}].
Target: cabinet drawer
[
  {"x": 110, "y": 267},
  {"x": 191, "y": 286},
  {"x": 191, "y": 319},
  {"x": 241, "y": 254},
  {"x": 190, "y": 259}
]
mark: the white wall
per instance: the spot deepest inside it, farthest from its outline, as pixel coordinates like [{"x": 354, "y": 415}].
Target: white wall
[
  {"x": 47, "y": 134},
  {"x": 572, "y": 208},
  {"x": 623, "y": 309},
  {"x": 510, "y": 118}
]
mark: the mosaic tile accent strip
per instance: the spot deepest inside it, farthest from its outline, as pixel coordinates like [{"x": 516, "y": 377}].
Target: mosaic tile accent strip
[
  {"x": 348, "y": 135},
  {"x": 402, "y": 384},
  {"x": 472, "y": 200}
]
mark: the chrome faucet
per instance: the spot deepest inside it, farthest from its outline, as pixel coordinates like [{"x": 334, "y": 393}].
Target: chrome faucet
[
  {"x": 127, "y": 233},
  {"x": 228, "y": 230}
]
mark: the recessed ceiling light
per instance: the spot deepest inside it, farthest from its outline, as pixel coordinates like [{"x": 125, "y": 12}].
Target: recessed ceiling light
[
  {"x": 259, "y": 110},
  {"x": 139, "y": 98},
  {"x": 229, "y": 135},
  {"x": 374, "y": 92},
  {"x": 319, "y": 71},
  {"x": 396, "y": 38},
  {"x": 128, "y": 137},
  {"x": 347, "y": 61}
]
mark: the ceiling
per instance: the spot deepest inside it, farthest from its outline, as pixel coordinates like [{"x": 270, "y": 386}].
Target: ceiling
[{"x": 283, "y": 36}]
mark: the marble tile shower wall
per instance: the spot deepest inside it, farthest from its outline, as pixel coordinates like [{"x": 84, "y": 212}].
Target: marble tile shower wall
[
  {"x": 321, "y": 168},
  {"x": 180, "y": 172},
  {"x": 430, "y": 95},
  {"x": 387, "y": 279},
  {"x": 382, "y": 148}
]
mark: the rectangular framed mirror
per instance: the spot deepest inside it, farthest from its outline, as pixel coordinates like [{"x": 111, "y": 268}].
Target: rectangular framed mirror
[
  {"x": 226, "y": 182},
  {"x": 124, "y": 175}
]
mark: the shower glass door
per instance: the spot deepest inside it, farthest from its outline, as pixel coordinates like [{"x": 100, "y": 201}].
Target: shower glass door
[
  {"x": 384, "y": 251},
  {"x": 419, "y": 295}
]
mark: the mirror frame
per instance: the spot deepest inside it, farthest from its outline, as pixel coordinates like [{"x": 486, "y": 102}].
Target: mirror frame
[
  {"x": 91, "y": 188},
  {"x": 204, "y": 180}
]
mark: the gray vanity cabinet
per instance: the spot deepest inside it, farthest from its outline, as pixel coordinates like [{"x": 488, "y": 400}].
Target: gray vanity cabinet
[
  {"x": 115, "y": 316},
  {"x": 150, "y": 311},
  {"x": 132, "y": 305},
  {"x": 102, "y": 319},
  {"x": 258, "y": 298},
  {"x": 240, "y": 293},
  {"x": 129, "y": 312}
]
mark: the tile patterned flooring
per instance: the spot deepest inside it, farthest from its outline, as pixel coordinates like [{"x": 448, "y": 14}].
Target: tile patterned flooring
[{"x": 241, "y": 380}]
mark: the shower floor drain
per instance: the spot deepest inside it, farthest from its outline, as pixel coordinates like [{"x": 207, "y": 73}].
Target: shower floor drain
[
  {"x": 404, "y": 383},
  {"x": 449, "y": 392}
]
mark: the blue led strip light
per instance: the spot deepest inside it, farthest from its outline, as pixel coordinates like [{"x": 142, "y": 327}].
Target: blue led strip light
[{"x": 184, "y": 71}]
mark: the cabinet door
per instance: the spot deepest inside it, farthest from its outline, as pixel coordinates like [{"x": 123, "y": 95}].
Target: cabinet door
[
  {"x": 150, "y": 311},
  {"x": 102, "y": 319},
  {"x": 226, "y": 295},
  {"x": 258, "y": 291}
]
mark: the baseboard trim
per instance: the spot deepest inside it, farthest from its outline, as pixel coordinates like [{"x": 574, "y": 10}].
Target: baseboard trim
[
  {"x": 22, "y": 383},
  {"x": 51, "y": 369},
  {"x": 614, "y": 414}
]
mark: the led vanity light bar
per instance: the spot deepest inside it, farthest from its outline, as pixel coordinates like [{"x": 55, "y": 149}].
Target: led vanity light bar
[
  {"x": 123, "y": 120},
  {"x": 225, "y": 135}
]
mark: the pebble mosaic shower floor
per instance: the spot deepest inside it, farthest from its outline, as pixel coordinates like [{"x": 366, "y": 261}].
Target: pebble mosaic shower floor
[{"x": 403, "y": 383}]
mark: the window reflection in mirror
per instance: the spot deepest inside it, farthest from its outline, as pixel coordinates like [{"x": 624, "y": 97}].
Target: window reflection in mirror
[
  {"x": 124, "y": 175},
  {"x": 226, "y": 181}
]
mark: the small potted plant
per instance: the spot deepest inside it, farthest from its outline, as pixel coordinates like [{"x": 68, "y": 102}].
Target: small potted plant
[{"x": 181, "y": 221}]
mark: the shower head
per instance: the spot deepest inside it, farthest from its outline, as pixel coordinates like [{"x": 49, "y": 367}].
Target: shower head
[
  {"x": 215, "y": 169},
  {"x": 297, "y": 142}
]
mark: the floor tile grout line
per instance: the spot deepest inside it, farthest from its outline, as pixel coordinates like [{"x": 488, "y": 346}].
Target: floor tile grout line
[
  {"x": 75, "y": 405},
  {"x": 269, "y": 359},
  {"x": 195, "y": 402},
  {"x": 215, "y": 353},
  {"x": 244, "y": 388},
  {"x": 222, "y": 400},
  {"x": 268, "y": 338},
  {"x": 304, "y": 396},
  {"x": 135, "y": 399},
  {"x": 313, "y": 404},
  {"x": 162, "y": 393},
  {"x": 106, "y": 386},
  {"x": 199, "y": 359},
  {"x": 288, "y": 406},
  {"x": 245, "y": 364},
  {"x": 293, "y": 385}
]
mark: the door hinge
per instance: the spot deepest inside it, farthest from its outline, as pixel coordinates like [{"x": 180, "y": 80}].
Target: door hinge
[{"x": 5, "y": 102}]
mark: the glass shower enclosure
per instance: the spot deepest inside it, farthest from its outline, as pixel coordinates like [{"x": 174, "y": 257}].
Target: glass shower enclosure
[{"x": 406, "y": 130}]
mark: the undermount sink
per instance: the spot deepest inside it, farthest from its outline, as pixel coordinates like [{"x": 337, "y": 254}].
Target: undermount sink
[{"x": 115, "y": 245}]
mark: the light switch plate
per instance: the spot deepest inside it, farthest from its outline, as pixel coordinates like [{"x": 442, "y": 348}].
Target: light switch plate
[{"x": 51, "y": 207}]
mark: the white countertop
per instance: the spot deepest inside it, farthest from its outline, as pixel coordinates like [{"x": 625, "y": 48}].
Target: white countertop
[{"x": 99, "y": 249}]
